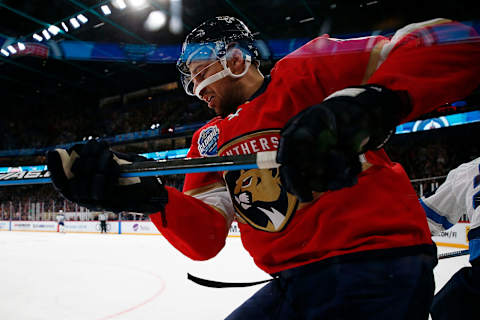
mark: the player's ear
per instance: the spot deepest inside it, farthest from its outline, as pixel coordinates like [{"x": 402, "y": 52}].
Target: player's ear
[{"x": 235, "y": 60}]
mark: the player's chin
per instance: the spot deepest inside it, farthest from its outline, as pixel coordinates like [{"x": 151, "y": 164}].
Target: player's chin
[{"x": 217, "y": 108}]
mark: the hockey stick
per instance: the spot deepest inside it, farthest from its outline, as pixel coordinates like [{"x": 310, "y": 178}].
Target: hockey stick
[
  {"x": 261, "y": 160},
  {"x": 453, "y": 254},
  {"x": 221, "y": 284}
]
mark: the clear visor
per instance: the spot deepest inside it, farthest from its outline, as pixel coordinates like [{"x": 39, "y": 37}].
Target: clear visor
[{"x": 201, "y": 55}]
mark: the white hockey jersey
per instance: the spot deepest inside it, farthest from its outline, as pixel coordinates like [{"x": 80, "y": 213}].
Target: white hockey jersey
[{"x": 458, "y": 195}]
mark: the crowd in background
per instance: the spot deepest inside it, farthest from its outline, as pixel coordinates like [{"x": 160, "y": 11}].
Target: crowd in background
[{"x": 55, "y": 125}]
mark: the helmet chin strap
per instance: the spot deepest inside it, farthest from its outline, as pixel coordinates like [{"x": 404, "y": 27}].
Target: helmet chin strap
[{"x": 222, "y": 74}]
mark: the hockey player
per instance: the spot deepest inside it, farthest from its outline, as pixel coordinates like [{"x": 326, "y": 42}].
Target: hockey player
[
  {"x": 458, "y": 195},
  {"x": 102, "y": 218},
  {"x": 358, "y": 245},
  {"x": 61, "y": 222}
]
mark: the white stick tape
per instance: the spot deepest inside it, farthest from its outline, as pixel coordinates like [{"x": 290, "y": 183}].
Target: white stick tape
[{"x": 267, "y": 160}]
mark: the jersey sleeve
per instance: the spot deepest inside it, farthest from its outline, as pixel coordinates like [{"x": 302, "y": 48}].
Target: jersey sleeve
[
  {"x": 208, "y": 187},
  {"x": 436, "y": 62},
  {"x": 442, "y": 207},
  {"x": 196, "y": 221}
]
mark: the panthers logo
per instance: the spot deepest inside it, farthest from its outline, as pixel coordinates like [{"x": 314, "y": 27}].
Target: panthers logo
[{"x": 260, "y": 199}]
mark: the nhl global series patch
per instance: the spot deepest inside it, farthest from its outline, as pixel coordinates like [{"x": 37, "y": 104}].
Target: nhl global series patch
[{"x": 207, "y": 141}]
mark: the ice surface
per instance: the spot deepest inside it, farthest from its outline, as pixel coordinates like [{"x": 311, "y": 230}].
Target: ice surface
[{"x": 108, "y": 276}]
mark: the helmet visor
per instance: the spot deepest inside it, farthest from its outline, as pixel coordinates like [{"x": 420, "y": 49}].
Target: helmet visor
[{"x": 201, "y": 53}]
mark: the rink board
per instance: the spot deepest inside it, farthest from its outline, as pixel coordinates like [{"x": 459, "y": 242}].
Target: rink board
[
  {"x": 456, "y": 236},
  {"x": 120, "y": 227}
]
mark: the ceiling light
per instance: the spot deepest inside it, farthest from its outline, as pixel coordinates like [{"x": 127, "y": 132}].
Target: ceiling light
[
  {"x": 54, "y": 30},
  {"x": 119, "y": 4},
  {"x": 82, "y": 18},
  {"x": 306, "y": 20},
  {"x": 37, "y": 37},
  {"x": 64, "y": 26},
  {"x": 106, "y": 10},
  {"x": 156, "y": 20},
  {"x": 74, "y": 22},
  {"x": 137, "y": 3},
  {"x": 46, "y": 35},
  {"x": 175, "y": 25},
  {"x": 12, "y": 49},
  {"x": 5, "y": 52},
  {"x": 21, "y": 46}
]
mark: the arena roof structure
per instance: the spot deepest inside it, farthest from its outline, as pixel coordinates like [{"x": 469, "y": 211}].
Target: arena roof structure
[{"x": 46, "y": 46}]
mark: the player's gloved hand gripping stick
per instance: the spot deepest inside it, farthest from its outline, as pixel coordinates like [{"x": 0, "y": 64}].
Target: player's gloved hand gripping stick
[
  {"x": 89, "y": 174},
  {"x": 319, "y": 147}
]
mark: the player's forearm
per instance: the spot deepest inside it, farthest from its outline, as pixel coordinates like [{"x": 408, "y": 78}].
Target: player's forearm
[
  {"x": 193, "y": 227},
  {"x": 436, "y": 64}
]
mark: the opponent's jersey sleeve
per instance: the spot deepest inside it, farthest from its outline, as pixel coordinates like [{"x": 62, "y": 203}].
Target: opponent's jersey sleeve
[
  {"x": 435, "y": 61},
  {"x": 458, "y": 195}
]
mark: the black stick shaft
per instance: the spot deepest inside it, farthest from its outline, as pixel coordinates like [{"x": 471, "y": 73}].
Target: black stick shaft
[{"x": 453, "y": 254}]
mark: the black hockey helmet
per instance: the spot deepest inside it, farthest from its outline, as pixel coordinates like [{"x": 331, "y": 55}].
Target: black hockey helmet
[{"x": 210, "y": 40}]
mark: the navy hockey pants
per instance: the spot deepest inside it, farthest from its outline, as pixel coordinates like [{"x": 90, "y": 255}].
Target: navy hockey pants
[{"x": 381, "y": 288}]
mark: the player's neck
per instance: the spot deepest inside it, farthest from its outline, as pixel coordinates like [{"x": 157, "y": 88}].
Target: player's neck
[{"x": 251, "y": 82}]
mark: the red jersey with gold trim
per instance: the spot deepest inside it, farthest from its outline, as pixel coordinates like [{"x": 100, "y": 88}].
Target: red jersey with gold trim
[{"x": 381, "y": 211}]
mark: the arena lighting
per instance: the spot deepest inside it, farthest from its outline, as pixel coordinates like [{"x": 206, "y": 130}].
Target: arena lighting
[
  {"x": 119, "y": 4},
  {"x": 37, "y": 37},
  {"x": 155, "y": 21},
  {"x": 46, "y": 35},
  {"x": 175, "y": 25},
  {"x": 106, "y": 10},
  {"x": 82, "y": 18},
  {"x": 54, "y": 30},
  {"x": 74, "y": 22},
  {"x": 137, "y": 3},
  {"x": 5, "y": 52},
  {"x": 12, "y": 49},
  {"x": 64, "y": 26},
  {"x": 21, "y": 46}
]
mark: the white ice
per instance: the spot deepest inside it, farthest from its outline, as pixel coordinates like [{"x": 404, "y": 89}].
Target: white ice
[{"x": 108, "y": 276}]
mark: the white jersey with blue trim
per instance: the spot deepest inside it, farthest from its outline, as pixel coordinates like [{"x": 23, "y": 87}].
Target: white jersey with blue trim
[{"x": 458, "y": 195}]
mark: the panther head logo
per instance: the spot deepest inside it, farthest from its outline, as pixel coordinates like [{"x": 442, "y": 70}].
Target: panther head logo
[{"x": 260, "y": 199}]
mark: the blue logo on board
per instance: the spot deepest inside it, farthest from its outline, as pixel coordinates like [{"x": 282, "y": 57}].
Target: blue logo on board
[{"x": 429, "y": 124}]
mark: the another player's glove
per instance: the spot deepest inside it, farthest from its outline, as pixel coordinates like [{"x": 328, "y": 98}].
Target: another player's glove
[
  {"x": 89, "y": 174},
  {"x": 319, "y": 147}
]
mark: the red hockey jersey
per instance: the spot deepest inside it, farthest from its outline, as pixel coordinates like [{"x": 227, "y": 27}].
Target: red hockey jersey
[{"x": 381, "y": 212}]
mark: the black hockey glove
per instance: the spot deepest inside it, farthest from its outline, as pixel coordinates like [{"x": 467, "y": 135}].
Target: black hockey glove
[
  {"x": 319, "y": 147},
  {"x": 89, "y": 174}
]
